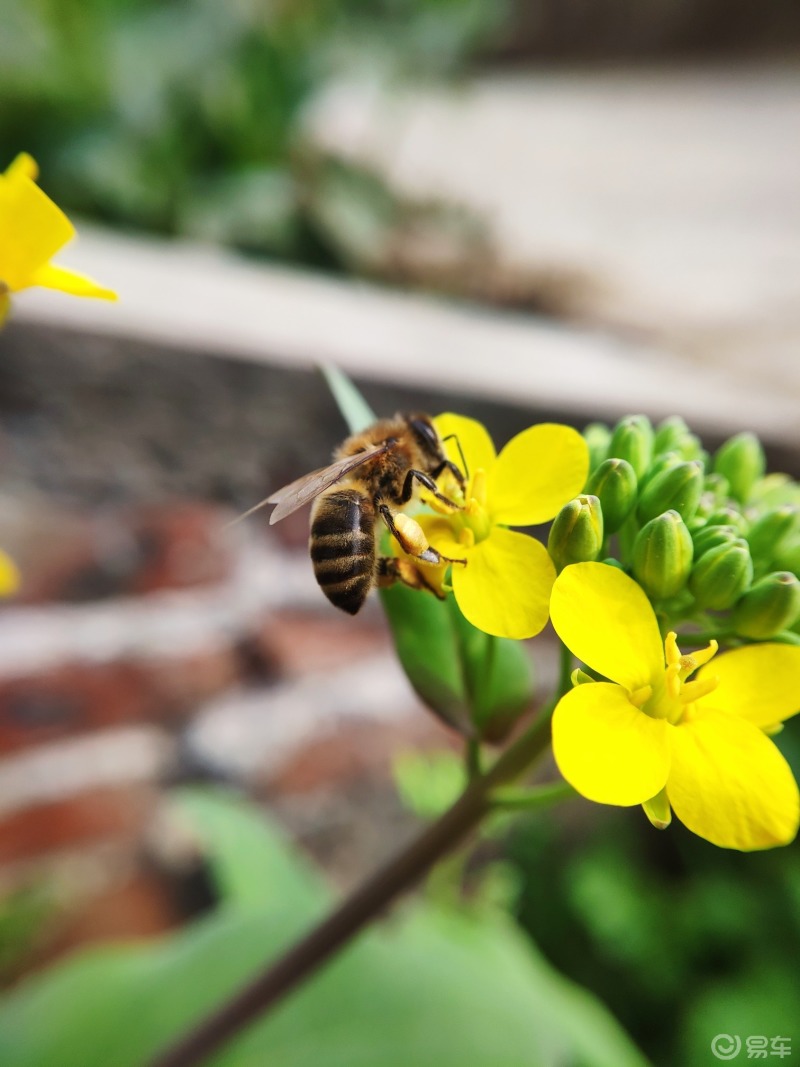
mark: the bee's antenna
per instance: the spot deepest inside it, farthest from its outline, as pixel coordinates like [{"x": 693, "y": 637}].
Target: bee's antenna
[
  {"x": 247, "y": 514},
  {"x": 454, "y": 437}
]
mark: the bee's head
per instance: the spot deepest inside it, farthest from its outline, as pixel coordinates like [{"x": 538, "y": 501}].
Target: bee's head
[{"x": 425, "y": 435}]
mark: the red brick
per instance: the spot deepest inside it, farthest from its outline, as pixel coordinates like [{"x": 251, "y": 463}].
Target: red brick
[
  {"x": 182, "y": 545},
  {"x": 66, "y": 556},
  {"x": 77, "y": 697},
  {"x": 355, "y": 750},
  {"x": 299, "y": 642},
  {"x": 101, "y": 814}
]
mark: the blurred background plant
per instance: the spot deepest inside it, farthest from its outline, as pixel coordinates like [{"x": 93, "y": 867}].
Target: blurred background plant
[{"x": 186, "y": 117}]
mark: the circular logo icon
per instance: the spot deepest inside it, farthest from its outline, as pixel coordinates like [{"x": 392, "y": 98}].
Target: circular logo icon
[{"x": 726, "y": 1046}]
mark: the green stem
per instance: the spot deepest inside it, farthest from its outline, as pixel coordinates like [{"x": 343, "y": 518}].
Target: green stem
[
  {"x": 472, "y": 758},
  {"x": 532, "y": 799},
  {"x": 366, "y": 903}
]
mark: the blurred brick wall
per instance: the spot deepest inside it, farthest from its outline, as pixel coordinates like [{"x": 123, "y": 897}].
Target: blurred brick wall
[{"x": 151, "y": 645}]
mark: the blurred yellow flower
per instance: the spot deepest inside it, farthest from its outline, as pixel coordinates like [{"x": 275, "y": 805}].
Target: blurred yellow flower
[
  {"x": 504, "y": 589},
  {"x": 651, "y": 736},
  {"x": 9, "y": 575},
  {"x": 32, "y": 231}
]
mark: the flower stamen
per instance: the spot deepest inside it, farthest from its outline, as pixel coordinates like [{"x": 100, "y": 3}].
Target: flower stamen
[
  {"x": 639, "y": 697},
  {"x": 674, "y": 698}
]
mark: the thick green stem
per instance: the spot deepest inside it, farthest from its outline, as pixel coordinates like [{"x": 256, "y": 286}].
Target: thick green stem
[
  {"x": 366, "y": 903},
  {"x": 472, "y": 758}
]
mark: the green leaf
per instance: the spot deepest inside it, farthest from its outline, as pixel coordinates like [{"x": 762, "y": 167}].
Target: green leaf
[
  {"x": 476, "y": 683},
  {"x": 354, "y": 408},
  {"x": 427, "y": 646},
  {"x": 252, "y": 863},
  {"x": 434, "y": 988},
  {"x": 439, "y": 989},
  {"x": 499, "y": 676},
  {"x": 429, "y": 782}
]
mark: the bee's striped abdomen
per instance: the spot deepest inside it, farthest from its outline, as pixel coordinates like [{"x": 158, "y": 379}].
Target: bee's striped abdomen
[{"x": 342, "y": 546}]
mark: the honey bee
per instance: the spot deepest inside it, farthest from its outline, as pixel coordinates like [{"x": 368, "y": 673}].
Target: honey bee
[{"x": 376, "y": 470}]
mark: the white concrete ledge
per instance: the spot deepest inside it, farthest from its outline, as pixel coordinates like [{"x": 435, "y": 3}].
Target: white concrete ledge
[{"x": 196, "y": 298}]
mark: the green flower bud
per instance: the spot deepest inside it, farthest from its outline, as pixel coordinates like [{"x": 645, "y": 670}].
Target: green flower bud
[
  {"x": 662, "y": 555},
  {"x": 716, "y": 485},
  {"x": 741, "y": 460},
  {"x": 658, "y": 466},
  {"x": 771, "y": 530},
  {"x": 670, "y": 435},
  {"x": 673, "y": 435},
  {"x": 597, "y": 437},
  {"x": 677, "y": 489},
  {"x": 576, "y": 535},
  {"x": 712, "y": 537},
  {"x": 721, "y": 575},
  {"x": 788, "y": 557},
  {"x": 773, "y": 490},
  {"x": 728, "y": 516},
  {"x": 769, "y": 606},
  {"x": 614, "y": 483},
  {"x": 579, "y": 677},
  {"x": 632, "y": 440}
]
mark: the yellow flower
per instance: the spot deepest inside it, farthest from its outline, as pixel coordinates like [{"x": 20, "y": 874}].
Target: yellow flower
[
  {"x": 504, "y": 588},
  {"x": 9, "y": 575},
  {"x": 32, "y": 230},
  {"x": 651, "y": 736}
]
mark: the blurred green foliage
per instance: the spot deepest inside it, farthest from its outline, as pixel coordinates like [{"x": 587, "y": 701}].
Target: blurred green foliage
[
  {"x": 429, "y": 782},
  {"x": 184, "y": 116},
  {"x": 436, "y": 987}
]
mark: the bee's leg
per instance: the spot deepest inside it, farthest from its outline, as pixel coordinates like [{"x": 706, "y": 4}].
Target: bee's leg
[
  {"x": 430, "y": 485},
  {"x": 455, "y": 470},
  {"x": 461, "y": 477},
  {"x": 410, "y": 536},
  {"x": 391, "y": 569}
]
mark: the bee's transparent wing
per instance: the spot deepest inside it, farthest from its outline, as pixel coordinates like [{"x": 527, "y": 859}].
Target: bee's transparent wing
[{"x": 299, "y": 492}]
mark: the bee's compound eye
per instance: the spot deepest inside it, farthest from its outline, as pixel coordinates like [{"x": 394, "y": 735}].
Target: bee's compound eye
[{"x": 425, "y": 432}]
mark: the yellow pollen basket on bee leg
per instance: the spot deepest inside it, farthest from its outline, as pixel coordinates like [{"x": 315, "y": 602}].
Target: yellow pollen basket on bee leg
[{"x": 413, "y": 536}]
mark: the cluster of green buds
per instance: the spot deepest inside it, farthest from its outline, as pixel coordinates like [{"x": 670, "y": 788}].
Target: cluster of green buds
[{"x": 712, "y": 540}]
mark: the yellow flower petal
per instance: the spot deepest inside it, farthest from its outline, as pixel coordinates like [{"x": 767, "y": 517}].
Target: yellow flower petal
[
  {"x": 505, "y": 587},
  {"x": 9, "y": 575},
  {"x": 606, "y": 748},
  {"x": 32, "y": 229},
  {"x": 50, "y": 276},
  {"x": 536, "y": 473},
  {"x": 476, "y": 444},
  {"x": 759, "y": 682},
  {"x": 604, "y": 617},
  {"x": 729, "y": 783},
  {"x": 24, "y": 166}
]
